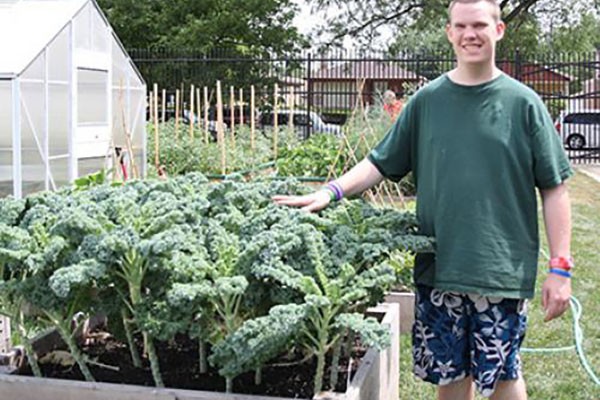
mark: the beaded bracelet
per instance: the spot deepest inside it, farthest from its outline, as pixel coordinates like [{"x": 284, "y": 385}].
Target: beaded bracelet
[
  {"x": 336, "y": 189},
  {"x": 561, "y": 272}
]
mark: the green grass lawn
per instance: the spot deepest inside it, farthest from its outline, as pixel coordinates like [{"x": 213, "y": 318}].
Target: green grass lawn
[{"x": 552, "y": 376}]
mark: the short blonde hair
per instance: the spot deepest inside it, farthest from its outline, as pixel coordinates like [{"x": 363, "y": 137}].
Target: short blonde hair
[{"x": 496, "y": 14}]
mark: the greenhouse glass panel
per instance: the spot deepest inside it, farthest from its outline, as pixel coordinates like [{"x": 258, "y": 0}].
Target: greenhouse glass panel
[
  {"x": 33, "y": 152},
  {"x": 60, "y": 171},
  {"x": 36, "y": 70},
  {"x": 92, "y": 96},
  {"x": 82, "y": 28},
  {"x": 32, "y": 116},
  {"x": 87, "y": 166},
  {"x": 120, "y": 66},
  {"x": 138, "y": 99},
  {"x": 58, "y": 119},
  {"x": 100, "y": 34},
  {"x": 33, "y": 172},
  {"x": 119, "y": 120},
  {"x": 58, "y": 58},
  {"x": 6, "y": 159}
]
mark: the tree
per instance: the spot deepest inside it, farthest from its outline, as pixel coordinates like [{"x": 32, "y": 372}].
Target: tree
[
  {"x": 587, "y": 32},
  {"x": 244, "y": 27},
  {"x": 419, "y": 24}
]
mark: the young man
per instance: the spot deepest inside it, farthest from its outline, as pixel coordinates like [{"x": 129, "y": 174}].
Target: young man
[{"x": 479, "y": 144}]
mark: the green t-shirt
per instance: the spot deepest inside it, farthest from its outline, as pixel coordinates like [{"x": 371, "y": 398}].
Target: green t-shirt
[{"x": 477, "y": 154}]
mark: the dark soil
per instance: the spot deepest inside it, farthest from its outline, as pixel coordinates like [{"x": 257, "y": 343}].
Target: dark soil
[{"x": 179, "y": 368}]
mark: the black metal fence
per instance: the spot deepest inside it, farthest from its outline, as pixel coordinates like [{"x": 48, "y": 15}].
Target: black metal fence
[{"x": 333, "y": 85}]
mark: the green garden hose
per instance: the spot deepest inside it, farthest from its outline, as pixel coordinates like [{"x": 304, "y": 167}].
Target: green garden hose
[{"x": 576, "y": 309}]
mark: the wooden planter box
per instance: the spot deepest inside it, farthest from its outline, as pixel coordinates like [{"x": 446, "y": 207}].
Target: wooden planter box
[
  {"x": 406, "y": 301},
  {"x": 376, "y": 379}
]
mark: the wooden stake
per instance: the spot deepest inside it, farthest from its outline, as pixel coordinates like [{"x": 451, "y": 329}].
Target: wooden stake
[
  {"x": 275, "y": 120},
  {"x": 241, "y": 102},
  {"x": 220, "y": 132},
  {"x": 191, "y": 111},
  {"x": 128, "y": 144},
  {"x": 156, "y": 138},
  {"x": 198, "y": 108},
  {"x": 206, "y": 111},
  {"x": 232, "y": 112},
  {"x": 290, "y": 105},
  {"x": 164, "y": 105},
  {"x": 252, "y": 119},
  {"x": 177, "y": 114}
]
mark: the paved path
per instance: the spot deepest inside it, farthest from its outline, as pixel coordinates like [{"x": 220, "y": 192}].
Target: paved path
[{"x": 592, "y": 171}]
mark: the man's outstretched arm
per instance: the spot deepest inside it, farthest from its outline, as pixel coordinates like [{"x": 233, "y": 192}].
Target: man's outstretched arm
[{"x": 360, "y": 178}]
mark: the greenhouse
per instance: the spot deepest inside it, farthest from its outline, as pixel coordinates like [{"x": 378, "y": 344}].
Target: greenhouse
[{"x": 71, "y": 100}]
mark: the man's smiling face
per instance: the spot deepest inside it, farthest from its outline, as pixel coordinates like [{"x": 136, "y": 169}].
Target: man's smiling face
[{"x": 473, "y": 31}]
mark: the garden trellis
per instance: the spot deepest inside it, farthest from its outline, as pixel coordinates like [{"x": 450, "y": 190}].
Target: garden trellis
[{"x": 69, "y": 96}]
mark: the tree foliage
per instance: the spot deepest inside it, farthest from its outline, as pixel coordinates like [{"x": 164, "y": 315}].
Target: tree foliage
[
  {"x": 419, "y": 24},
  {"x": 246, "y": 27}
]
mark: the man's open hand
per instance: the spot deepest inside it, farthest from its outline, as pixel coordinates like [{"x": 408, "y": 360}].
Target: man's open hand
[{"x": 311, "y": 202}]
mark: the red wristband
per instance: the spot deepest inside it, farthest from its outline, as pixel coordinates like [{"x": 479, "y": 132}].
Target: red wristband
[{"x": 564, "y": 263}]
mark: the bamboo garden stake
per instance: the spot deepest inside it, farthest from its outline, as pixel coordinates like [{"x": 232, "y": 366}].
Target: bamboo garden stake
[
  {"x": 164, "y": 105},
  {"x": 232, "y": 112},
  {"x": 155, "y": 121},
  {"x": 128, "y": 144},
  {"x": 191, "y": 111},
  {"x": 241, "y": 103},
  {"x": 290, "y": 106},
  {"x": 275, "y": 120},
  {"x": 206, "y": 110},
  {"x": 220, "y": 133},
  {"x": 198, "y": 108},
  {"x": 252, "y": 119},
  {"x": 177, "y": 114}
]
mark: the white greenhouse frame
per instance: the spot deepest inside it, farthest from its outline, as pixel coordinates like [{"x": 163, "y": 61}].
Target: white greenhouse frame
[{"x": 69, "y": 96}]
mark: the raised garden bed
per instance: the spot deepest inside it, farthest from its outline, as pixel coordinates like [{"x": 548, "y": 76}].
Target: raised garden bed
[
  {"x": 217, "y": 273},
  {"x": 375, "y": 379},
  {"x": 406, "y": 302}
]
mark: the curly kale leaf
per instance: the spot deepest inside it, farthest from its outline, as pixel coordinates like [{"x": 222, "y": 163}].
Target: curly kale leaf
[
  {"x": 15, "y": 244},
  {"x": 369, "y": 286},
  {"x": 65, "y": 279},
  {"x": 75, "y": 224},
  {"x": 185, "y": 295},
  {"x": 371, "y": 332},
  {"x": 233, "y": 286},
  {"x": 258, "y": 340},
  {"x": 11, "y": 210}
]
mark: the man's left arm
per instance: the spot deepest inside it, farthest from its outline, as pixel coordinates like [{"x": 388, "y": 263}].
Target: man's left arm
[{"x": 556, "y": 290}]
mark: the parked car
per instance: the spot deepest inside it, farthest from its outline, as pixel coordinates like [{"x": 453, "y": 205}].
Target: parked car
[
  {"x": 579, "y": 129},
  {"x": 305, "y": 123}
]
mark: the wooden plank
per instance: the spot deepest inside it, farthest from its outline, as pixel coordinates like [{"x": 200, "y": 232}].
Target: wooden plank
[
  {"x": 406, "y": 300},
  {"x": 28, "y": 388}
]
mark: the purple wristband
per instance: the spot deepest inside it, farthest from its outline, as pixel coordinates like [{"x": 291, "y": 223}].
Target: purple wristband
[{"x": 337, "y": 189}]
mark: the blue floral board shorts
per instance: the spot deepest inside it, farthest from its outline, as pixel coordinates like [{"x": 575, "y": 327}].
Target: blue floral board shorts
[{"x": 456, "y": 335}]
